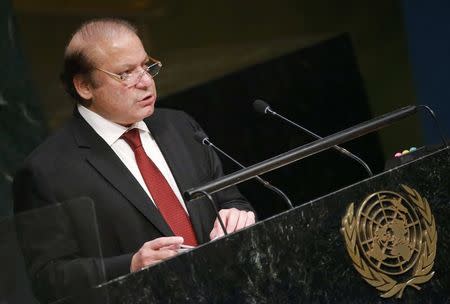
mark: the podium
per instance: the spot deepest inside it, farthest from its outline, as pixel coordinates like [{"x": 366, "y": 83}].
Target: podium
[{"x": 377, "y": 241}]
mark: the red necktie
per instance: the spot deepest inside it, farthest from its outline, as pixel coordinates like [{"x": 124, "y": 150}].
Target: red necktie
[{"x": 164, "y": 197}]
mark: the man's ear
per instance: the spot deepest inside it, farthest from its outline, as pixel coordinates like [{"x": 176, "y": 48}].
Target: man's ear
[{"x": 83, "y": 86}]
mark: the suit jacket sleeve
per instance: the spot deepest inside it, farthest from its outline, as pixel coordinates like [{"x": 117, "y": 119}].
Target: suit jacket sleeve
[{"x": 56, "y": 264}]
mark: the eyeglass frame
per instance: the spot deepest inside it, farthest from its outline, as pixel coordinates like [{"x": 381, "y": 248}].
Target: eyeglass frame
[{"x": 141, "y": 74}]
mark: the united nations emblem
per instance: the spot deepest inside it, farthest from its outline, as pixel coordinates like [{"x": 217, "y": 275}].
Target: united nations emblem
[{"x": 392, "y": 240}]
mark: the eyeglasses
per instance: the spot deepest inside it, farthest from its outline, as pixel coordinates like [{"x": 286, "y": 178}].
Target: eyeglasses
[{"x": 130, "y": 79}]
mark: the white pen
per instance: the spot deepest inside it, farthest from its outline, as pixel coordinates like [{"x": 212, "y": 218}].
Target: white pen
[{"x": 183, "y": 246}]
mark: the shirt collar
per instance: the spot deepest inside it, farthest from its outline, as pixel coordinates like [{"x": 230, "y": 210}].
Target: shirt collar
[{"x": 108, "y": 130}]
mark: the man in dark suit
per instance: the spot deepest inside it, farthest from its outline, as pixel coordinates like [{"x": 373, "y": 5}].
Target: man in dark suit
[{"x": 114, "y": 150}]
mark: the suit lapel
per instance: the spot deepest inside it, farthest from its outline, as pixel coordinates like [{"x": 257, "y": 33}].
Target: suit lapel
[
  {"x": 170, "y": 148},
  {"x": 100, "y": 155},
  {"x": 175, "y": 156}
]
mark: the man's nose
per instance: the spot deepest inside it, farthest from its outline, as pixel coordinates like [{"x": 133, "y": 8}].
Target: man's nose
[{"x": 145, "y": 80}]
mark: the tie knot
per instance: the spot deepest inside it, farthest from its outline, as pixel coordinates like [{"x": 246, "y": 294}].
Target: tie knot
[{"x": 132, "y": 138}]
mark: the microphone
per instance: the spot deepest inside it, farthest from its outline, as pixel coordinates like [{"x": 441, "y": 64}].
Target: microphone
[
  {"x": 201, "y": 137},
  {"x": 263, "y": 107}
]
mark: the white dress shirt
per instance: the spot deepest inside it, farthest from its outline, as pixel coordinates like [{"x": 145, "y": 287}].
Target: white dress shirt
[{"x": 111, "y": 133}]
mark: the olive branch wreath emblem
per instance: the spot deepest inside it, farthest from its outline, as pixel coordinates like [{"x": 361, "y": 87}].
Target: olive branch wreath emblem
[{"x": 422, "y": 271}]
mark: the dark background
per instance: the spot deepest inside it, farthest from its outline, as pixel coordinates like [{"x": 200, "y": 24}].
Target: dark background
[{"x": 320, "y": 87}]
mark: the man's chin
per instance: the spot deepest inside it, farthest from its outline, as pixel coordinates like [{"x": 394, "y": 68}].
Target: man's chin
[
  {"x": 149, "y": 110},
  {"x": 146, "y": 112},
  {"x": 139, "y": 117}
]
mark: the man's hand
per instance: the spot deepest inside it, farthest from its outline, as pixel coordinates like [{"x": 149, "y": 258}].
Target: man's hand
[
  {"x": 233, "y": 219},
  {"x": 155, "y": 251}
]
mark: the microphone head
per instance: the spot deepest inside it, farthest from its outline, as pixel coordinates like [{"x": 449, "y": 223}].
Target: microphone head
[
  {"x": 201, "y": 137},
  {"x": 261, "y": 106}
]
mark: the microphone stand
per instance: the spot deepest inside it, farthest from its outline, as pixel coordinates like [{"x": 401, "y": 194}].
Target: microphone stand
[
  {"x": 302, "y": 152},
  {"x": 267, "y": 109},
  {"x": 205, "y": 141}
]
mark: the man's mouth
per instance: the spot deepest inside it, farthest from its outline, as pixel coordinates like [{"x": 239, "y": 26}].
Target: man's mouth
[{"x": 146, "y": 97}]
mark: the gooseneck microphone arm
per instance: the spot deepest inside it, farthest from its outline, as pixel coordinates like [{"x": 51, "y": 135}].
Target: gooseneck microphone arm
[
  {"x": 436, "y": 122},
  {"x": 264, "y": 108},
  {"x": 204, "y": 140},
  {"x": 219, "y": 218},
  {"x": 302, "y": 152}
]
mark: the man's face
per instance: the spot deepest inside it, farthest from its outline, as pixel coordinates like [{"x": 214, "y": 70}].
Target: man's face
[{"x": 111, "y": 98}]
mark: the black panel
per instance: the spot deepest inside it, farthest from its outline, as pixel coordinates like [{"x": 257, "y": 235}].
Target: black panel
[{"x": 21, "y": 121}]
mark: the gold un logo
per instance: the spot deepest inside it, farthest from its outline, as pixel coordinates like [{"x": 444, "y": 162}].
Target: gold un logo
[{"x": 392, "y": 240}]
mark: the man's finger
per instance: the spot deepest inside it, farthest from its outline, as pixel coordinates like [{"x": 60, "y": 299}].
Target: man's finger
[
  {"x": 214, "y": 231},
  {"x": 233, "y": 217},
  {"x": 242, "y": 220},
  {"x": 171, "y": 247},
  {"x": 158, "y": 255},
  {"x": 250, "y": 219},
  {"x": 224, "y": 214},
  {"x": 164, "y": 241},
  {"x": 217, "y": 230}
]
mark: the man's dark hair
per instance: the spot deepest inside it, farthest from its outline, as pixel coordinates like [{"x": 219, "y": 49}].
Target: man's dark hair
[{"x": 76, "y": 56}]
